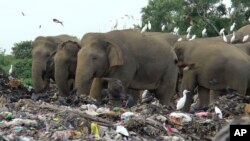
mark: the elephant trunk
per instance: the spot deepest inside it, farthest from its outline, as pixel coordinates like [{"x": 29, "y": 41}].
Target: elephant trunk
[
  {"x": 38, "y": 74},
  {"x": 83, "y": 82},
  {"x": 61, "y": 78}
]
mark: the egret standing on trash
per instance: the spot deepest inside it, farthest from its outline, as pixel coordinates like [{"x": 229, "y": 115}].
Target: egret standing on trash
[
  {"x": 181, "y": 102},
  {"x": 218, "y": 112}
]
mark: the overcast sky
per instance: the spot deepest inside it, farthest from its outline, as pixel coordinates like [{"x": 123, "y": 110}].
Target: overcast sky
[{"x": 78, "y": 16}]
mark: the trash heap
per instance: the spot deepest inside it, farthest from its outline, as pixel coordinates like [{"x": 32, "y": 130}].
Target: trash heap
[{"x": 26, "y": 116}]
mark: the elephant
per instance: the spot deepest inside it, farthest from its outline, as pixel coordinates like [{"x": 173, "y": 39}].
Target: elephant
[
  {"x": 168, "y": 37},
  {"x": 43, "y": 51},
  {"x": 244, "y": 47},
  {"x": 139, "y": 61},
  {"x": 65, "y": 60},
  {"x": 218, "y": 68}
]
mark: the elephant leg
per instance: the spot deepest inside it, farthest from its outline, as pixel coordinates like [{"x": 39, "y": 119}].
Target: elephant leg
[
  {"x": 214, "y": 95},
  {"x": 96, "y": 88},
  {"x": 189, "y": 82},
  {"x": 203, "y": 94}
]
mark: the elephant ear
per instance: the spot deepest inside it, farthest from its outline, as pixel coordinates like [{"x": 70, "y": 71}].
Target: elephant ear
[{"x": 114, "y": 55}]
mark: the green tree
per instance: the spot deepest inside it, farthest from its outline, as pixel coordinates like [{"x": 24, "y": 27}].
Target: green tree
[
  {"x": 22, "y": 49},
  {"x": 211, "y": 14}
]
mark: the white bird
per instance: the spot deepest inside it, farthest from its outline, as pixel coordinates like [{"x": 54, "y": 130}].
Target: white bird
[
  {"x": 193, "y": 37},
  {"x": 11, "y": 69},
  {"x": 176, "y": 30},
  {"x": 181, "y": 102},
  {"x": 222, "y": 31},
  {"x": 204, "y": 32},
  {"x": 232, "y": 38},
  {"x": 249, "y": 19},
  {"x": 144, "y": 28},
  {"x": 218, "y": 112},
  {"x": 189, "y": 29},
  {"x": 149, "y": 25},
  {"x": 224, "y": 37},
  {"x": 180, "y": 39},
  {"x": 114, "y": 27},
  {"x": 188, "y": 35},
  {"x": 232, "y": 27},
  {"x": 144, "y": 94},
  {"x": 245, "y": 38},
  {"x": 163, "y": 27}
]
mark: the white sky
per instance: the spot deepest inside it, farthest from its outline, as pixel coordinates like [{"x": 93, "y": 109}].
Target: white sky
[{"x": 78, "y": 16}]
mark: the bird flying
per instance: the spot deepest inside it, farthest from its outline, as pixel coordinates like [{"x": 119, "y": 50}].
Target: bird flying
[
  {"x": 218, "y": 112},
  {"x": 58, "y": 21},
  {"x": 245, "y": 38},
  {"x": 181, "y": 102},
  {"x": 23, "y": 14}
]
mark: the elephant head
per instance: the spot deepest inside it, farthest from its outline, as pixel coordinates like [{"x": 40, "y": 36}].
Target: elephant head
[
  {"x": 97, "y": 55},
  {"x": 43, "y": 52},
  {"x": 65, "y": 65}
]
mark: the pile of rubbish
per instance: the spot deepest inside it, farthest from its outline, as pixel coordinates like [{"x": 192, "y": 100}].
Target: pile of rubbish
[{"x": 26, "y": 116}]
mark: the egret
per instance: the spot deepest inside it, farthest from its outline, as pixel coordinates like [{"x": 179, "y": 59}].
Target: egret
[
  {"x": 245, "y": 38},
  {"x": 224, "y": 37},
  {"x": 232, "y": 27},
  {"x": 11, "y": 69},
  {"x": 144, "y": 28},
  {"x": 176, "y": 30},
  {"x": 218, "y": 112},
  {"x": 189, "y": 29},
  {"x": 204, "y": 32},
  {"x": 144, "y": 94},
  {"x": 192, "y": 38},
  {"x": 180, "y": 39},
  {"x": 163, "y": 27},
  {"x": 181, "y": 102},
  {"x": 249, "y": 19},
  {"x": 188, "y": 35},
  {"x": 222, "y": 31},
  {"x": 149, "y": 25},
  {"x": 232, "y": 38}
]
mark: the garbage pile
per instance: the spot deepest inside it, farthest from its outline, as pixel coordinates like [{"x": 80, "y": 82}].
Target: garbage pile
[{"x": 26, "y": 116}]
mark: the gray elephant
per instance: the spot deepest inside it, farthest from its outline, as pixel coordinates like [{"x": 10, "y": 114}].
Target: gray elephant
[
  {"x": 65, "y": 61},
  {"x": 43, "y": 59},
  {"x": 139, "y": 61},
  {"x": 219, "y": 67},
  {"x": 244, "y": 47}
]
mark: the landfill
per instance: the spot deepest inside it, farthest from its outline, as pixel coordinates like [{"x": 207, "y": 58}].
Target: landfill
[{"x": 29, "y": 116}]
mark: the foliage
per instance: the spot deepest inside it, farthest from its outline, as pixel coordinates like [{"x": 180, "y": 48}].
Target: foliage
[
  {"x": 21, "y": 61},
  {"x": 211, "y": 14},
  {"x": 22, "y": 49}
]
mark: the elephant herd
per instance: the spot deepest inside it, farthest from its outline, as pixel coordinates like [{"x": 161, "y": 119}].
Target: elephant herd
[{"x": 153, "y": 61}]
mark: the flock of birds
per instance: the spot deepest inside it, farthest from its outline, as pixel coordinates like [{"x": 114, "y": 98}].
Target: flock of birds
[
  {"x": 203, "y": 33},
  {"x": 54, "y": 20}
]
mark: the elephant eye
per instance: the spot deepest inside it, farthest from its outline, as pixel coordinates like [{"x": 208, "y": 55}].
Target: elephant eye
[{"x": 94, "y": 57}]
